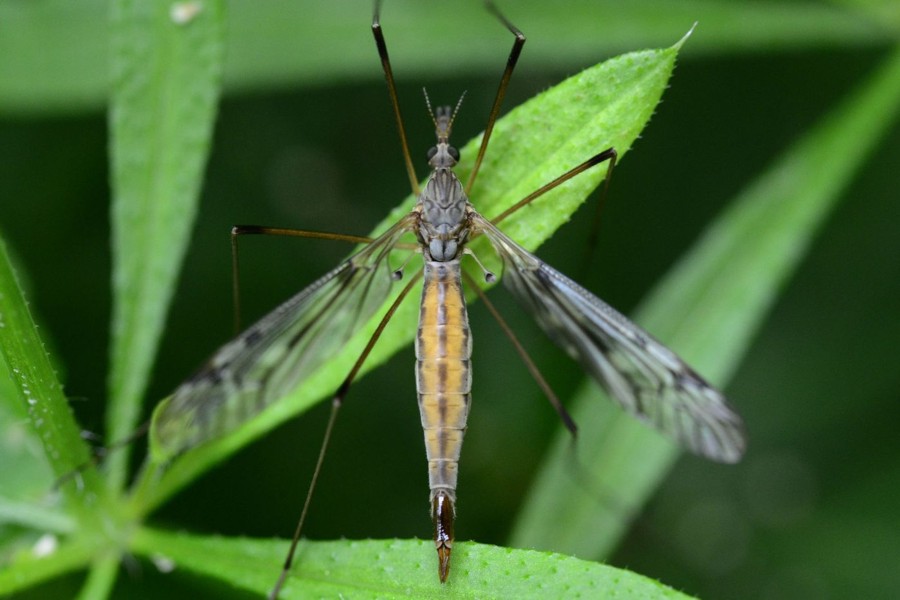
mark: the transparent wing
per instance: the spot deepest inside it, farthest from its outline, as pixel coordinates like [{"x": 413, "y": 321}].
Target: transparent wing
[
  {"x": 647, "y": 379},
  {"x": 271, "y": 357}
]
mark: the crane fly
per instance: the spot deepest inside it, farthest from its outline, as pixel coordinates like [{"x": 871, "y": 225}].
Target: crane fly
[{"x": 273, "y": 356}]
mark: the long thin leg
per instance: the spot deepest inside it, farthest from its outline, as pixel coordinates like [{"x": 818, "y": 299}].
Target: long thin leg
[
  {"x": 336, "y": 403},
  {"x": 501, "y": 90},
  {"x": 523, "y": 354},
  {"x": 609, "y": 154},
  {"x": 392, "y": 91},
  {"x": 98, "y": 454},
  {"x": 594, "y": 234},
  {"x": 239, "y": 230}
]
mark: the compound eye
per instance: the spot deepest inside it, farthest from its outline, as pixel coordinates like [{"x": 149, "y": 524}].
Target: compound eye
[
  {"x": 431, "y": 152},
  {"x": 454, "y": 153}
]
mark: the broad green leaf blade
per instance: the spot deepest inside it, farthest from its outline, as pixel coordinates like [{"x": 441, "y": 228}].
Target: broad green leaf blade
[
  {"x": 26, "y": 474},
  {"x": 395, "y": 569},
  {"x": 708, "y": 310},
  {"x": 606, "y": 105},
  {"x": 165, "y": 87},
  {"x": 53, "y": 53},
  {"x": 37, "y": 392}
]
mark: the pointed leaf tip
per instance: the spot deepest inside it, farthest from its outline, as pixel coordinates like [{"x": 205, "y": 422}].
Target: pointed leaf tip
[{"x": 684, "y": 38}]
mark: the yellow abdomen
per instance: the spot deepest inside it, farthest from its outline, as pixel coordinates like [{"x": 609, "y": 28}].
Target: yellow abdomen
[{"x": 443, "y": 372}]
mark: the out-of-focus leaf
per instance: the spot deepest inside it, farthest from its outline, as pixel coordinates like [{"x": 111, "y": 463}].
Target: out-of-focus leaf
[
  {"x": 53, "y": 53},
  {"x": 165, "y": 90},
  {"x": 708, "y": 310}
]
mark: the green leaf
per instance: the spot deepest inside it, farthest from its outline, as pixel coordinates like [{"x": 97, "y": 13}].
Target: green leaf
[
  {"x": 27, "y": 568},
  {"x": 30, "y": 513},
  {"x": 165, "y": 89},
  {"x": 26, "y": 473},
  {"x": 53, "y": 53},
  {"x": 606, "y": 105},
  {"x": 886, "y": 12},
  {"x": 101, "y": 579},
  {"x": 708, "y": 310},
  {"x": 395, "y": 569},
  {"x": 36, "y": 390}
]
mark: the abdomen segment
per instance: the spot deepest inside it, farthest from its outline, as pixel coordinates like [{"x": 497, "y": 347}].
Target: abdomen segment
[{"x": 444, "y": 385}]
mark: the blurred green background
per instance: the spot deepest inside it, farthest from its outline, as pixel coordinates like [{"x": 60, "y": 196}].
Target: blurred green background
[{"x": 305, "y": 139}]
